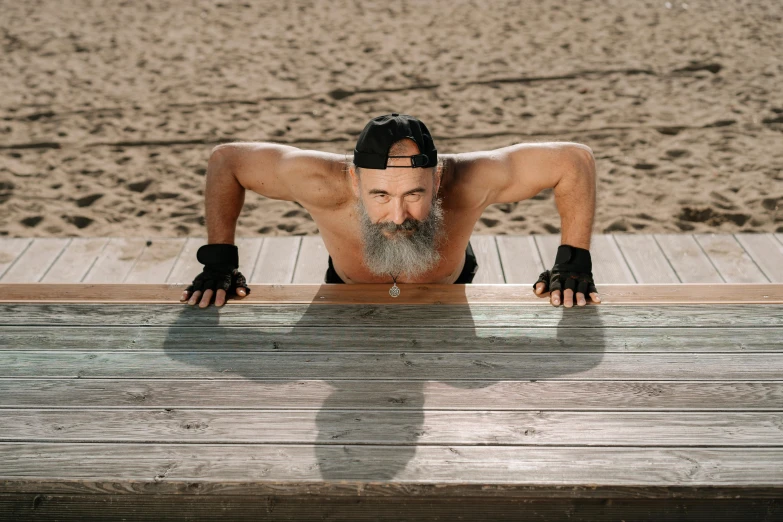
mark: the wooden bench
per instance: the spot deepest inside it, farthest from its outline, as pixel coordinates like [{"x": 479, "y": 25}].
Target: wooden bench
[
  {"x": 617, "y": 259},
  {"x": 335, "y": 402}
]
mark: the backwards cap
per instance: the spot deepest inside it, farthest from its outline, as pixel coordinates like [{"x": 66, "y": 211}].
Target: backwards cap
[{"x": 372, "y": 148}]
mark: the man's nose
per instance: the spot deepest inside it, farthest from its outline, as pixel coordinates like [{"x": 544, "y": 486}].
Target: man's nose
[{"x": 399, "y": 212}]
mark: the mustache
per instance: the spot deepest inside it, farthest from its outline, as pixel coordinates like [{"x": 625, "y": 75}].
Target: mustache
[{"x": 390, "y": 226}]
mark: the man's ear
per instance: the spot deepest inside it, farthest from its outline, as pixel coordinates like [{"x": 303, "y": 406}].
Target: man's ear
[
  {"x": 354, "y": 180},
  {"x": 438, "y": 177}
]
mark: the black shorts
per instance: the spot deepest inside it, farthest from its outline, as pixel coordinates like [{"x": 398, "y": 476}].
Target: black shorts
[{"x": 466, "y": 276}]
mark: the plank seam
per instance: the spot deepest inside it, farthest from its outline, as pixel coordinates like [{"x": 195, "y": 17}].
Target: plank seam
[
  {"x": 698, "y": 243},
  {"x": 296, "y": 261},
  {"x": 500, "y": 260},
  {"x": 108, "y": 240},
  {"x": 257, "y": 260},
  {"x": 135, "y": 261},
  {"x": 68, "y": 244},
  {"x": 182, "y": 248},
  {"x": 751, "y": 257},
  {"x": 625, "y": 260},
  {"x": 29, "y": 243},
  {"x": 679, "y": 279},
  {"x": 775, "y": 237}
]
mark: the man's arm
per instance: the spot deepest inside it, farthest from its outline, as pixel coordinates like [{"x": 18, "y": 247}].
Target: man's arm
[
  {"x": 273, "y": 170},
  {"x": 521, "y": 171}
]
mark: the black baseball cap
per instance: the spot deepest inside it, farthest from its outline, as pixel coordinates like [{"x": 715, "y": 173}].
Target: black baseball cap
[{"x": 372, "y": 148}]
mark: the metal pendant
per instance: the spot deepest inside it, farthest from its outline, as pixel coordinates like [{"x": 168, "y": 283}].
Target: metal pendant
[{"x": 394, "y": 291}]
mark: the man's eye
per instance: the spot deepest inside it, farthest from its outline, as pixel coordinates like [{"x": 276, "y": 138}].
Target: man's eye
[{"x": 414, "y": 197}]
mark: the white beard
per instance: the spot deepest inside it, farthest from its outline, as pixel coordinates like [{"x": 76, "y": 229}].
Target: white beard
[{"x": 406, "y": 253}]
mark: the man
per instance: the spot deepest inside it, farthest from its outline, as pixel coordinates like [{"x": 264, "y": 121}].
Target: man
[{"x": 400, "y": 212}]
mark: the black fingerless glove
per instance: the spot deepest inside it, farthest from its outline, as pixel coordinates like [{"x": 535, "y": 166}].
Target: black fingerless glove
[
  {"x": 221, "y": 262},
  {"x": 573, "y": 269}
]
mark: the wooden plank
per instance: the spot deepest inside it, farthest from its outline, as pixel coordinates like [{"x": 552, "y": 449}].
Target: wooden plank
[
  {"x": 170, "y": 364},
  {"x": 344, "y": 469},
  {"x": 156, "y": 261},
  {"x": 490, "y": 271},
  {"x": 419, "y": 294},
  {"x": 422, "y": 427},
  {"x": 36, "y": 260},
  {"x": 520, "y": 259},
  {"x": 645, "y": 259},
  {"x": 116, "y": 260},
  {"x": 730, "y": 259},
  {"x": 10, "y": 249},
  {"x": 249, "y": 250},
  {"x": 311, "y": 508},
  {"x": 76, "y": 260},
  {"x": 259, "y": 339},
  {"x": 469, "y": 394},
  {"x": 412, "y": 316},
  {"x": 766, "y": 252},
  {"x": 187, "y": 267},
  {"x": 276, "y": 261},
  {"x": 687, "y": 258},
  {"x": 312, "y": 262},
  {"x": 609, "y": 267}
]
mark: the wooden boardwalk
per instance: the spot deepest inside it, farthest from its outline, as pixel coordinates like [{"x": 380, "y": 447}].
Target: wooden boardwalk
[
  {"x": 617, "y": 259},
  {"x": 329, "y": 402}
]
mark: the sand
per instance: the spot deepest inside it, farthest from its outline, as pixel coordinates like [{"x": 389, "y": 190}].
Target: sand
[{"x": 110, "y": 109}]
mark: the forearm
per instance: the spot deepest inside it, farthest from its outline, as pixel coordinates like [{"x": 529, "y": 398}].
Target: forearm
[
  {"x": 575, "y": 200},
  {"x": 223, "y": 200}
]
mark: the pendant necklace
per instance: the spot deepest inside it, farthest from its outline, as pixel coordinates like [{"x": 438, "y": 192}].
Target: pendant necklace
[{"x": 394, "y": 291}]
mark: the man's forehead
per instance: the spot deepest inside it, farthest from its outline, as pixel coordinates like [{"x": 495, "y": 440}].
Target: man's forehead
[{"x": 395, "y": 177}]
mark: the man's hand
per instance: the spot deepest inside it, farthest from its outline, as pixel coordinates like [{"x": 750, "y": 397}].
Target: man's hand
[
  {"x": 220, "y": 300},
  {"x": 571, "y": 274},
  {"x": 220, "y": 278},
  {"x": 568, "y": 296}
]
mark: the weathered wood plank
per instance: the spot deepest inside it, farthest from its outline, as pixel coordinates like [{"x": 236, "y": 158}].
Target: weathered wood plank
[
  {"x": 255, "y": 508},
  {"x": 687, "y": 258},
  {"x": 766, "y": 252},
  {"x": 379, "y": 365},
  {"x": 645, "y": 259},
  {"x": 421, "y": 427},
  {"x": 609, "y": 267},
  {"x": 76, "y": 260},
  {"x": 260, "y": 339},
  {"x": 490, "y": 271},
  {"x": 312, "y": 262},
  {"x": 415, "y": 294},
  {"x": 346, "y": 469},
  {"x": 466, "y": 394},
  {"x": 249, "y": 250},
  {"x": 156, "y": 261},
  {"x": 10, "y": 249},
  {"x": 276, "y": 261},
  {"x": 520, "y": 259},
  {"x": 116, "y": 260},
  {"x": 186, "y": 267},
  {"x": 36, "y": 260},
  {"x": 412, "y": 316},
  {"x": 730, "y": 259}
]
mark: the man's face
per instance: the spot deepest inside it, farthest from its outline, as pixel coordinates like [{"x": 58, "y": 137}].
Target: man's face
[{"x": 401, "y": 220}]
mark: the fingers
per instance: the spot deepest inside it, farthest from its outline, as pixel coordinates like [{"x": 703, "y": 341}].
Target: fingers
[
  {"x": 540, "y": 288},
  {"x": 554, "y": 298},
  {"x": 206, "y": 298},
  {"x": 194, "y": 298},
  {"x": 594, "y": 296},
  {"x": 220, "y": 298}
]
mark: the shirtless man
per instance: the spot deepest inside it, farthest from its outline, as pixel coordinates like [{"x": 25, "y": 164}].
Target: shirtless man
[{"x": 397, "y": 211}]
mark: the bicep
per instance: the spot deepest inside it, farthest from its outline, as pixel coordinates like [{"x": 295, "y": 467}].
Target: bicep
[
  {"x": 521, "y": 171},
  {"x": 278, "y": 171}
]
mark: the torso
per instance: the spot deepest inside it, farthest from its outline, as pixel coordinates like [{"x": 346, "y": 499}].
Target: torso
[{"x": 340, "y": 230}]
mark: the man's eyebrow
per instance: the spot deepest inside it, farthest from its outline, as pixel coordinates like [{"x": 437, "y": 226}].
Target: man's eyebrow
[{"x": 411, "y": 191}]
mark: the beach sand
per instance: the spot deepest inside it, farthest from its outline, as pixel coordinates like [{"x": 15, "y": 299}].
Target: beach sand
[{"x": 110, "y": 109}]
